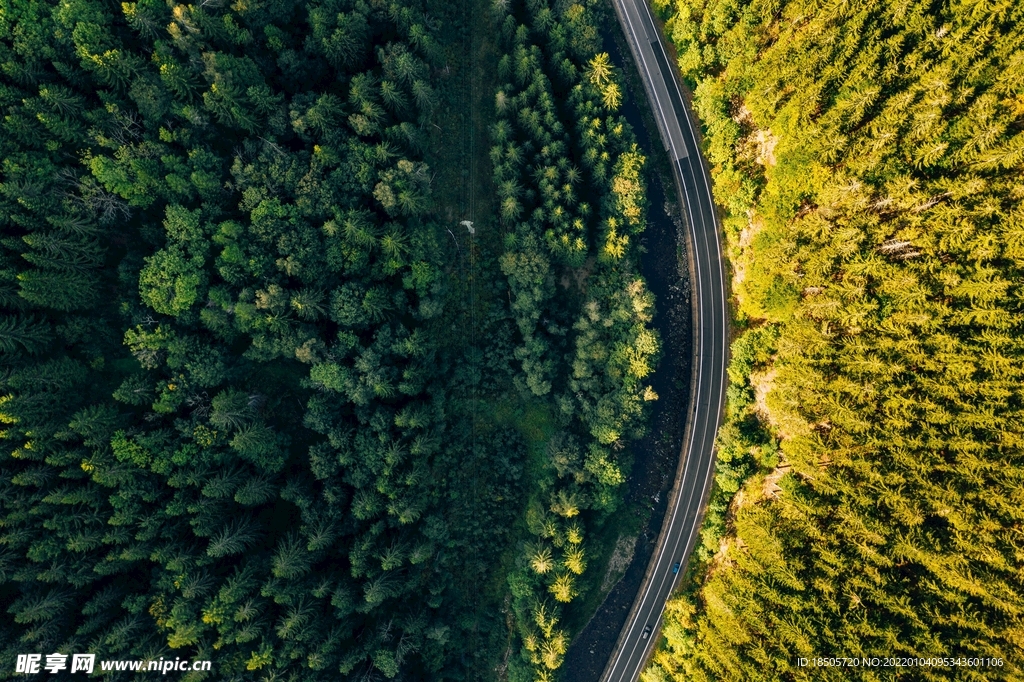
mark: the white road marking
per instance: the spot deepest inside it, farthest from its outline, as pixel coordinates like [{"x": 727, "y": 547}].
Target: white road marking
[{"x": 645, "y": 610}]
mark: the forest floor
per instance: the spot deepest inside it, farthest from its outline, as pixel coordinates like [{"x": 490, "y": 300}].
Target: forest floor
[
  {"x": 462, "y": 187},
  {"x": 664, "y": 266},
  {"x": 462, "y": 190}
]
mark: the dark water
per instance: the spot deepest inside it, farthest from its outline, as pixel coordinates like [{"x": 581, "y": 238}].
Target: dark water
[{"x": 655, "y": 456}]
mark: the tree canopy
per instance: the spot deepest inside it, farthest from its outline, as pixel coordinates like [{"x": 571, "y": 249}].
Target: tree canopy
[
  {"x": 239, "y": 421},
  {"x": 869, "y": 159}
]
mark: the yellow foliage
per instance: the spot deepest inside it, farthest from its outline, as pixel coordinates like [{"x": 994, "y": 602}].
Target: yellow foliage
[
  {"x": 541, "y": 562},
  {"x": 564, "y": 588},
  {"x": 628, "y": 188},
  {"x": 612, "y": 96},
  {"x": 574, "y": 560},
  {"x": 159, "y": 611},
  {"x": 259, "y": 659},
  {"x": 565, "y": 504},
  {"x": 600, "y": 70},
  {"x": 553, "y": 650},
  {"x": 545, "y": 621},
  {"x": 614, "y": 244}
]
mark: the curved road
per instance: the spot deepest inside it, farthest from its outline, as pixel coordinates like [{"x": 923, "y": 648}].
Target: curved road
[{"x": 697, "y": 461}]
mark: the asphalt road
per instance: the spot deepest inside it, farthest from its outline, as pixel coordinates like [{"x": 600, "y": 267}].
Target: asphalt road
[{"x": 681, "y": 526}]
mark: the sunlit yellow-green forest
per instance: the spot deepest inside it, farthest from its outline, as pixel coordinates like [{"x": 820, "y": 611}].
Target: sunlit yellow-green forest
[{"x": 869, "y": 159}]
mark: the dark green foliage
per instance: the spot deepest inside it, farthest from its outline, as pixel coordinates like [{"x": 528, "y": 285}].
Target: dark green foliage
[
  {"x": 242, "y": 455},
  {"x": 237, "y": 424}
]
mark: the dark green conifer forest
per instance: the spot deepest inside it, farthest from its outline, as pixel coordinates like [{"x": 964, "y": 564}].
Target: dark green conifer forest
[
  {"x": 266, "y": 399},
  {"x": 870, "y": 492}
]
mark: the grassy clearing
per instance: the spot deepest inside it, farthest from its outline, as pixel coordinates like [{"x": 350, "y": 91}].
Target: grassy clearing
[{"x": 536, "y": 422}]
